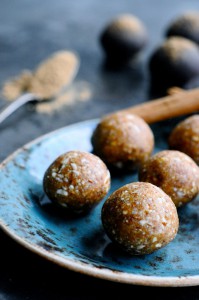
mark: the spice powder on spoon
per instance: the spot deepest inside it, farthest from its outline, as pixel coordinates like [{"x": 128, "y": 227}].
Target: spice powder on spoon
[{"x": 48, "y": 80}]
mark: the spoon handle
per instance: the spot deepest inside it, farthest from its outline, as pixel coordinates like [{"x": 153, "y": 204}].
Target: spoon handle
[
  {"x": 181, "y": 103},
  {"x": 178, "y": 104},
  {"x": 13, "y": 106}
]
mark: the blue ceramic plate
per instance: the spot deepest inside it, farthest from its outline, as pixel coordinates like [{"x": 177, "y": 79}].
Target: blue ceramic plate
[{"x": 80, "y": 244}]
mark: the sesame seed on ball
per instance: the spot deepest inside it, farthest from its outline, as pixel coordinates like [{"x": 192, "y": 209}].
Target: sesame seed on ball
[{"x": 77, "y": 180}]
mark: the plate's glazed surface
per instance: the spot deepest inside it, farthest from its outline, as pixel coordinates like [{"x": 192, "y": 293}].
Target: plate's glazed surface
[{"x": 80, "y": 243}]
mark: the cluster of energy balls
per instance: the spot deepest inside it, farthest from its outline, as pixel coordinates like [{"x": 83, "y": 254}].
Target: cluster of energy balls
[
  {"x": 175, "y": 62},
  {"x": 140, "y": 217}
]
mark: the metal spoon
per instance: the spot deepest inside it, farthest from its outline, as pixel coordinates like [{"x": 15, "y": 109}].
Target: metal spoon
[{"x": 41, "y": 86}]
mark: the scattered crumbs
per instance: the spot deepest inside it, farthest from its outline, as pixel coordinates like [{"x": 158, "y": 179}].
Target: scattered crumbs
[{"x": 78, "y": 92}]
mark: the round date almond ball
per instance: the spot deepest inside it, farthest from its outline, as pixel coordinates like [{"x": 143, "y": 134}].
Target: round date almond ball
[
  {"x": 175, "y": 173},
  {"x": 186, "y": 25},
  {"x": 123, "y": 38},
  {"x": 123, "y": 140},
  {"x": 140, "y": 218},
  {"x": 174, "y": 62},
  {"x": 185, "y": 137},
  {"x": 77, "y": 180}
]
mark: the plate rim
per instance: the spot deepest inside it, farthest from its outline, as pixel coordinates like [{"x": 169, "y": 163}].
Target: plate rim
[{"x": 82, "y": 267}]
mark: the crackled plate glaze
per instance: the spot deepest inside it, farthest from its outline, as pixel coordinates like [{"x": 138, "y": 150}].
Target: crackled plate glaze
[{"x": 80, "y": 243}]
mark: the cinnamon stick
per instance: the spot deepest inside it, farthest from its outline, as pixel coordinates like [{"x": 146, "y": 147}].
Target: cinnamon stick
[{"x": 178, "y": 104}]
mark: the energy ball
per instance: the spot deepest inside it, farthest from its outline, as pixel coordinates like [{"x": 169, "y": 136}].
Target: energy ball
[
  {"x": 140, "y": 218},
  {"x": 175, "y": 173},
  {"x": 174, "y": 63},
  {"x": 77, "y": 180},
  {"x": 185, "y": 137},
  {"x": 123, "y": 38},
  {"x": 186, "y": 25},
  {"x": 123, "y": 140}
]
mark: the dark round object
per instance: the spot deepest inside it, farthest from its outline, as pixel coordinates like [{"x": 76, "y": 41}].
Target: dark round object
[
  {"x": 175, "y": 173},
  {"x": 123, "y": 140},
  {"x": 123, "y": 38},
  {"x": 192, "y": 84},
  {"x": 140, "y": 218},
  {"x": 174, "y": 63},
  {"x": 186, "y": 25},
  {"x": 77, "y": 180},
  {"x": 185, "y": 137}
]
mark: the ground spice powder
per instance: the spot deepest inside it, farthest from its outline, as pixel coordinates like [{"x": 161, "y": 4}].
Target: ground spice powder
[{"x": 48, "y": 81}]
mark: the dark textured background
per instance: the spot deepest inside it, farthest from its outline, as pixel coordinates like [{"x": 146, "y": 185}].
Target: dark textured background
[{"x": 29, "y": 32}]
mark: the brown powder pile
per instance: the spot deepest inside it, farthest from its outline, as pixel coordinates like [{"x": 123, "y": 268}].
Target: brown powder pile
[
  {"x": 48, "y": 81},
  {"x": 53, "y": 74},
  {"x": 78, "y": 92}
]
